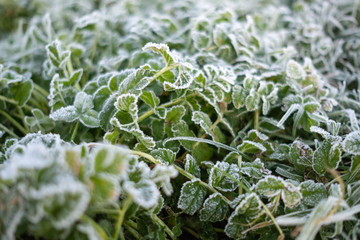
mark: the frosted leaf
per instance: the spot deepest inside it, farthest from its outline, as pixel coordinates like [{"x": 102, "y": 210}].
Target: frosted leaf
[
  {"x": 67, "y": 114},
  {"x": 312, "y": 192},
  {"x": 220, "y": 181},
  {"x": 2, "y": 133},
  {"x": 291, "y": 195},
  {"x": 252, "y": 101},
  {"x": 83, "y": 102},
  {"x": 351, "y": 143},
  {"x": 90, "y": 119},
  {"x": 270, "y": 186},
  {"x": 256, "y": 136},
  {"x": 71, "y": 195},
  {"x": 353, "y": 120},
  {"x": 145, "y": 140},
  {"x": 57, "y": 56},
  {"x": 327, "y": 155},
  {"x": 144, "y": 192},
  {"x": 128, "y": 103},
  {"x": 162, "y": 49},
  {"x": 191, "y": 166},
  {"x": 215, "y": 209},
  {"x": 254, "y": 169},
  {"x": 175, "y": 114},
  {"x": 295, "y": 71},
  {"x": 319, "y": 130},
  {"x": 246, "y": 212},
  {"x": 191, "y": 196},
  {"x": 203, "y": 120},
  {"x": 162, "y": 174},
  {"x": 163, "y": 155},
  {"x": 251, "y": 147}
]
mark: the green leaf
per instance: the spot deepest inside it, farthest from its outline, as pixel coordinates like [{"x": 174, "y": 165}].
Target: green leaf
[
  {"x": 215, "y": 209},
  {"x": 175, "y": 114},
  {"x": 164, "y": 155},
  {"x": 150, "y": 98},
  {"x": 312, "y": 192},
  {"x": 295, "y": 71},
  {"x": 352, "y": 142},
  {"x": 191, "y": 166},
  {"x": 57, "y": 56},
  {"x": 191, "y": 197},
  {"x": 254, "y": 169},
  {"x": 163, "y": 50},
  {"x": 246, "y": 212},
  {"x": 238, "y": 96},
  {"x": 203, "y": 120},
  {"x": 270, "y": 186},
  {"x": 144, "y": 193},
  {"x": 220, "y": 181},
  {"x": 327, "y": 156}
]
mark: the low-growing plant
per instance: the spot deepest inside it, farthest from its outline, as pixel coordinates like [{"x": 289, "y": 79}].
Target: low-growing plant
[{"x": 179, "y": 119}]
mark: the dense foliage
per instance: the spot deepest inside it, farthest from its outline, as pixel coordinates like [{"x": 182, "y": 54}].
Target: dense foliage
[{"x": 194, "y": 119}]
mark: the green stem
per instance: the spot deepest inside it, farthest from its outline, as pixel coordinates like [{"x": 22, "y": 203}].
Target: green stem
[
  {"x": 14, "y": 122},
  {"x": 165, "y": 69},
  {"x": 41, "y": 90},
  {"x": 14, "y": 102},
  {"x": 132, "y": 231},
  {"x": 74, "y": 131},
  {"x": 192, "y": 232},
  {"x": 168, "y": 104},
  {"x": 96, "y": 226},
  {"x": 22, "y": 116},
  {"x": 8, "y": 131},
  {"x": 127, "y": 203},
  {"x": 256, "y": 119},
  {"x": 162, "y": 224}
]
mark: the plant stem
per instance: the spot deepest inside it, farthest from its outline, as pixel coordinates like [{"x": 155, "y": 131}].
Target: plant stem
[
  {"x": 150, "y": 112},
  {"x": 8, "y": 131},
  {"x": 132, "y": 231},
  {"x": 41, "y": 90},
  {"x": 122, "y": 211},
  {"x": 14, "y": 122},
  {"x": 256, "y": 119},
  {"x": 14, "y": 102},
  {"x": 74, "y": 131},
  {"x": 162, "y": 224}
]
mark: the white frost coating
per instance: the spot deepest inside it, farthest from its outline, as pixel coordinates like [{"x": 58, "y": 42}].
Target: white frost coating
[
  {"x": 144, "y": 193},
  {"x": 319, "y": 130},
  {"x": 164, "y": 155},
  {"x": 294, "y": 70},
  {"x": 353, "y": 119},
  {"x": 65, "y": 185},
  {"x": 266, "y": 180},
  {"x": 11, "y": 227}
]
